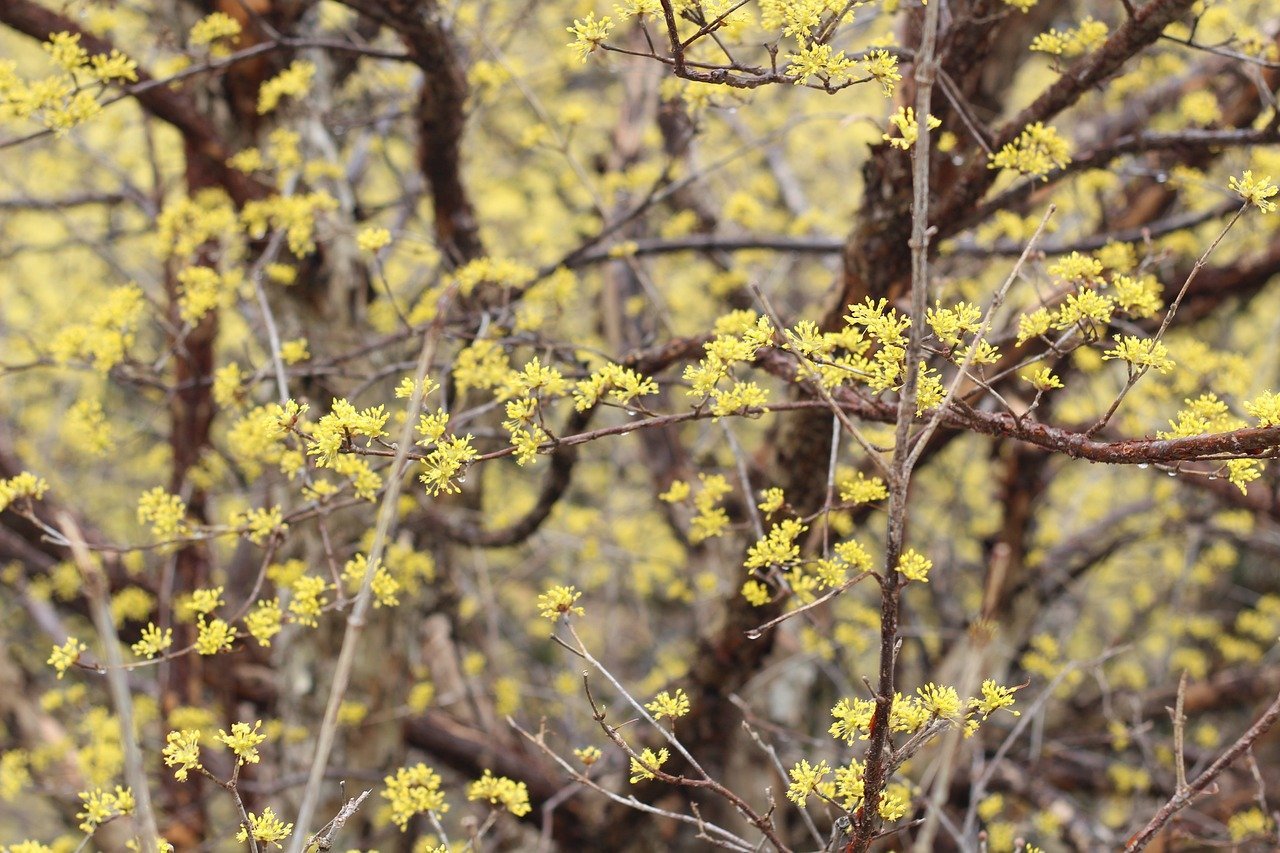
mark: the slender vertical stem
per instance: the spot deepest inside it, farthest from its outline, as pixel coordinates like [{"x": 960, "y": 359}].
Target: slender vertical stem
[
  {"x": 95, "y": 585},
  {"x": 364, "y": 598},
  {"x": 867, "y": 819}
]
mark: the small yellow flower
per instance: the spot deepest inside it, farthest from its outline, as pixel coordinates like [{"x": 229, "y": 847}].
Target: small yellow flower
[
  {"x": 909, "y": 128},
  {"x": 756, "y": 593},
  {"x": 677, "y": 492},
  {"x": 265, "y": 827},
  {"x": 1258, "y": 193},
  {"x": 153, "y": 641},
  {"x": 771, "y": 501},
  {"x": 940, "y": 700},
  {"x": 214, "y": 637},
  {"x": 672, "y": 706},
  {"x": 1140, "y": 352},
  {"x": 915, "y": 566},
  {"x": 1266, "y": 408},
  {"x": 263, "y": 622},
  {"x": 243, "y": 741},
  {"x": 588, "y": 755},
  {"x": 1043, "y": 379},
  {"x": 211, "y": 28},
  {"x": 294, "y": 351},
  {"x": 66, "y": 655},
  {"x": 411, "y": 791},
  {"x": 1038, "y": 150},
  {"x": 589, "y": 34},
  {"x": 805, "y": 779},
  {"x": 512, "y": 795},
  {"x": 559, "y": 601},
  {"x": 372, "y": 239},
  {"x": 640, "y": 769},
  {"x": 995, "y": 697},
  {"x": 182, "y": 751},
  {"x": 294, "y": 81}
]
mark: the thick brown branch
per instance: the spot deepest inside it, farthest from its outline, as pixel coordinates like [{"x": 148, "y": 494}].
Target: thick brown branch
[{"x": 440, "y": 116}]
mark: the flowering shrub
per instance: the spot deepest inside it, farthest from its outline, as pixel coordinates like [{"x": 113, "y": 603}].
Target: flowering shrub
[{"x": 792, "y": 424}]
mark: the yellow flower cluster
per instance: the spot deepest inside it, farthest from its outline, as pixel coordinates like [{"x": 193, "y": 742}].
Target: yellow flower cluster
[
  {"x": 711, "y": 519},
  {"x": 263, "y": 622},
  {"x": 187, "y": 223},
  {"x": 293, "y": 82},
  {"x": 85, "y": 426},
  {"x": 153, "y": 641},
  {"x": 23, "y": 485},
  {"x": 1266, "y": 408},
  {"x": 98, "y": 806},
  {"x": 214, "y": 636},
  {"x": 1043, "y": 379},
  {"x": 771, "y": 500},
  {"x": 559, "y": 601},
  {"x": 620, "y": 384},
  {"x": 860, "y": 489},
  {"x": 60, "y": 101},
  {"x": 777, "y": 548},
  {"x": 1088, "y": 36},
  {"x": 444, "y": 466},
  {"x": 910, "y": 714},
  {"x": 243, "y": 741},
  {"x": 589, "y": 34},
  {"x": 1208, "y": 414},
  {"x": 1257, "y": 192},
  {"x": 1038, "y": 150},
  {"x": 107, "y": 336},
  {"x": 644, "y": 765},
  {"x": 482, "y": 365},
  {"x": 739, "y": 336},
  {"x": 816, "y": 59},
  {"x": 213, "y": 28},
  {"x": 309, "y": 599},
  {"x": 258, "y": 524},
  {"x": 673, "y": 706},
  {"x": 165, "y": 513},
  {"x": 336, "y": 430},
  {"x": 913, "y": 565},
  {"x": 372, "y": 239},
  {"x": 882, "y": 66},
  {"x": 385, "y": 587},
  {"x": 182, "y": 751},
  {"x": 294, "y": 214},
  {"x": 886, "y": 327},
  {"x": 1140, "y": 352},
  {"x": 66, "y": 655},
  {"x": 411, "y": 791},
  {"x": 908, "y": 128},
  {"x": 496, "y": 271},
  {"x": 265, "y": 827},
  {"x": 499, "y": 790}
]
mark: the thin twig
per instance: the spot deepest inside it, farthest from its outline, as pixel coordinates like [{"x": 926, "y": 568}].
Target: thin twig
[
  {"x": 1182, "y": 798},
  {"x": 996, "y": 301},
  {"x": 95, "y": 585},
  {"x": 387, "y": 513}
]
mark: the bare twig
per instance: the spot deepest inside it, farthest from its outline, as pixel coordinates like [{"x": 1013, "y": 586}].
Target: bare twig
[
  {"x": 387, "y": 512},
  {"x": 95, "y": 584},
  {"x": 1182, "y": 798}
]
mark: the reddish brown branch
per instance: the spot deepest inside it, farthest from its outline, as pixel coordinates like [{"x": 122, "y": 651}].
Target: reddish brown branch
[{"x": 440, "y": 117}]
